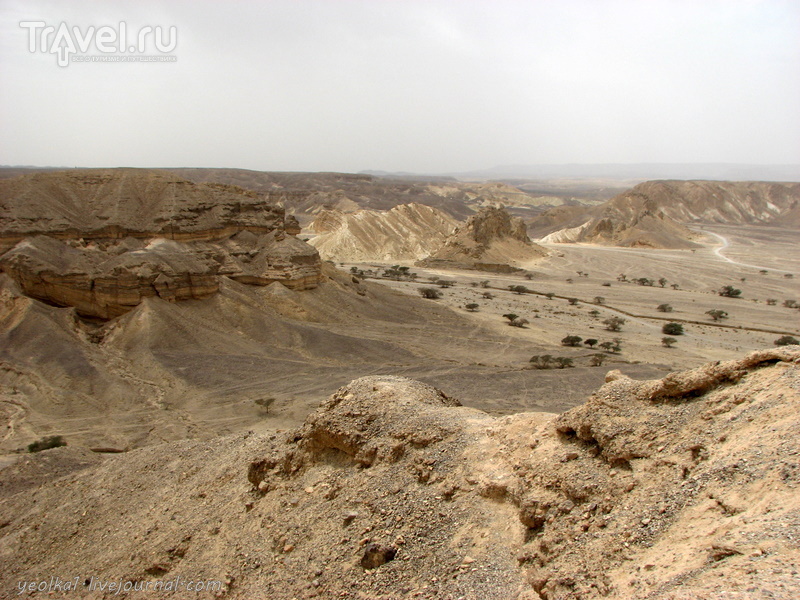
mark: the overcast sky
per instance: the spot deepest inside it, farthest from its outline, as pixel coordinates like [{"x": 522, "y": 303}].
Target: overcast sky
[{"x": 348, "y": 85}]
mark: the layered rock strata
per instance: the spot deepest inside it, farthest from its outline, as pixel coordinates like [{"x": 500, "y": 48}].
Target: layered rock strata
[{"x": 102, "y": 241}]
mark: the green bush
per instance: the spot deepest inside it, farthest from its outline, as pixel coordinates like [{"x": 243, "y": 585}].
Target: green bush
[
  {"x": 672, "y": 329},
  {"x": 53, "y": 441}
]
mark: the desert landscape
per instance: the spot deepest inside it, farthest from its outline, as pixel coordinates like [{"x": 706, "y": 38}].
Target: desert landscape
[{"x": 484, "y": 392}]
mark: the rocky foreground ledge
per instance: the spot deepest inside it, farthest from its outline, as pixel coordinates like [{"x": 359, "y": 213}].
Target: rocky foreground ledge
[
  {"x": 685, "y": 487},
  {"x": 103, "y": 240}
]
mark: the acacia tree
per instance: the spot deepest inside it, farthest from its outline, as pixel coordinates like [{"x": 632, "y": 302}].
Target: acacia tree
[
  {"x": 571, "y": 340},
  {"x": 563, "y": 361},
  {"x": 614, "y": 323},
  {"x": 672, "y": 329},
  {"x": 717, "y": 314},
  {"x": 591, "y": 342},
  {"x": 472, "y": 307},
  {"x": 664, "y": 308}
]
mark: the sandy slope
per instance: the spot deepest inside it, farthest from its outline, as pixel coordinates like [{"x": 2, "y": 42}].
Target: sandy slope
[{"x": 684, "y": 487}]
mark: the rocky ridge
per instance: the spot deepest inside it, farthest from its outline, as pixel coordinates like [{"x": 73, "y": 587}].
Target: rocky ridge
[
  {"x": 406, "y": 232},
  {"x": 491, "y": 240},
  {"x": 684, "y": 487},
  {"x": 656, "y": 213},
  {"x": 103, "y": 240}
]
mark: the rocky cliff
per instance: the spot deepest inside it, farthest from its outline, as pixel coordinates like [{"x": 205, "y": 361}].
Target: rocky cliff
[
  {"x": 490, "y": 240},
  {"x": 103, "y": 240},
  {"x": 684, "y": 487}
]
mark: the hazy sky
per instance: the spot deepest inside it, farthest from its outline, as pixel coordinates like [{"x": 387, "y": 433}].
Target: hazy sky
[{"x": 348, "y": 85}]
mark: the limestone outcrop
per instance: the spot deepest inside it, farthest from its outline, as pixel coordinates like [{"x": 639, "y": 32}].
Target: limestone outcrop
[
  {"x": 491, "y": 240},
  {"x": 406, "y": 232},
  {"x": 103, "y": 240},
  {"x": 684, "y": 487}
]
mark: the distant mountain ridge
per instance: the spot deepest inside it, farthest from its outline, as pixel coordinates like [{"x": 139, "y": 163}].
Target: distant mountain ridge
[{"x": 655, "y": 213}]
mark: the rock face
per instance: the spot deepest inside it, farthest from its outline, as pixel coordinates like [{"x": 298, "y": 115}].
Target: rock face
[
  {"x": 491, "y": 240},
  {"x": 103, "y": 240},
  {"x": 684, "y": 487},
  {"x": 655, "y": 213},
  {"x": 406, "y": 232}
]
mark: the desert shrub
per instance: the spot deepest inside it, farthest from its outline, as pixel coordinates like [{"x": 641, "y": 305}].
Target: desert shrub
[
  {"x": 573, "y": 301},
  {"x": 519, "y": 322},
  {"x": 668, "y": 342},
  {"x": 541, "y": 362},
  {"x": 597, "y": 360},
  {"x": 614, "y": 323},
  {"x": 664, "y": 308},
  {"x": 430, "y": 293},
  {"x": 672, "y": 329},
  {"x": 729, "y": 291},
  {"x": 53, "y": 441},
  {"x": 717, "y": 314},
  {"x": 786, "y": 340},
  {"x": 472, "y": 307},
  {"x": 563, "y": 362}
]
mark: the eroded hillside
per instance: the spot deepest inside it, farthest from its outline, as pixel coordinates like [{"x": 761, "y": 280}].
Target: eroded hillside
[
  {"x": 655, "y": 213},
  {"x": 407, "y": 232},
  {"x": 684, "y": 487}
]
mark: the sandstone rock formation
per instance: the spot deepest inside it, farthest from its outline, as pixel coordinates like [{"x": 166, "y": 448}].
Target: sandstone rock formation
[
  {"x": 655, "y": 213},
  {"x": 684, "y": 487},
  {"x": 103, "y": 240},
  {"x": 491, "y": 240},
  {"x": 406, "y": 232}
]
